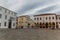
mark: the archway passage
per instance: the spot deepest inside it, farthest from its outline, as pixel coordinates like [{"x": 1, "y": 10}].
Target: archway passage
[
  {"x": 43, "y": 25},
  {"x": 9, "y": 24},
  {"x": 46, "y": 25},
  {"x": 28, "y": 25},
  {"x": 49, "y": 25},
  {"x": 53, "y": 25},
  {"x": 40, "y": 25},
  {"x": 21, "y": 27}
]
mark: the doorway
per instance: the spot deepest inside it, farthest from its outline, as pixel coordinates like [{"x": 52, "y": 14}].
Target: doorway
[
  {"x": 56, "y": 26},
  {"x": 46, "y": 25},
  {"x": 9, "y": 24},
  {"x": 21, "y": 27}
]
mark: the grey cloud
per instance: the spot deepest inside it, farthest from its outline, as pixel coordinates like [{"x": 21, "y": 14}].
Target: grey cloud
[
  {"x": 34, "y": 4},
  {"x": 28, "y": 5}
]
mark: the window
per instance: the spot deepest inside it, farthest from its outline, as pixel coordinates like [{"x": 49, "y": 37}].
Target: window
[
  {"x": 56, "y": 17},
  {"x": 46, "y": 18},
  {"x": 34, "y": 18},
  {"x": 5, "y": 11},
  {"x": 0, "y": 24},
  {"x": 9, "y": 12},
  {"x": 37, "y": 18},
  {"x": 5, "y": 16},
  {"x": 5, "y": 24},
  {"x": 59, "y": 17},
  {"x": 13, "y": 24},
  {"x": 52, "y": 17},
  {"x": 12, "y": 18},
  {"x": 49, "y": 17},
  {"x": 40, "y": 18},
  {"x": 0, "y": 15}
]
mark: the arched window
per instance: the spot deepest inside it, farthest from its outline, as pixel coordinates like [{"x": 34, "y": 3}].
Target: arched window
[
  {"x": 49, "y": 17},
  {"x": 37, "y": 18},
  {"x": 40, "y": 18},
  {"x": 46, "y": 18},
  {"x": 52, "y": 17},
  {"x": 34, "y": 18}
]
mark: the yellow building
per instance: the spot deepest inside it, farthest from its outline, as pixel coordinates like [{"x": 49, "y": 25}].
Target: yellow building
[{"x": 24, "y": 22}]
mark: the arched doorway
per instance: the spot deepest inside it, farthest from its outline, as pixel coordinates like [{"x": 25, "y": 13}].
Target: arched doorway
[
  {"x": 40, "y": 25},
  {"x": 43, "y": 25},
  {"x": 49, "y": 25},
  {"x": 21, "y": 27},
  {"x": 53, "y": 25},
  {"x": 28, "y": 25},
  {"x": 46, "y": 25}
]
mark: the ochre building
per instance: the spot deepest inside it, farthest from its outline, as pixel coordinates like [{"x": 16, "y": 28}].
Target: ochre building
[{"x": 25, "y": 22}]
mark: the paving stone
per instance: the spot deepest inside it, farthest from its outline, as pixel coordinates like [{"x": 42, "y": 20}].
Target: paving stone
[{"x": 29, "y": 34}]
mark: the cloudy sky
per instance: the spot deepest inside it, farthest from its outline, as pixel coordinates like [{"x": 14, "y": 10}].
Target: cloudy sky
[{"x": 31, "y": 7}]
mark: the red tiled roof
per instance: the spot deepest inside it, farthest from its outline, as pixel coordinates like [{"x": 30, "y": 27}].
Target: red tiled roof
[
  {"x": 45, "y": 14},
  {"x": 57, "y": 15},
  {"x": 24, "y": 16}
]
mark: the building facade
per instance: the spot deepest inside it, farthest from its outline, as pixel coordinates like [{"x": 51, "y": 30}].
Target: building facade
[
  {"x": 48, "y": 20},
  {"x": 7, "y": 18},
  {"x": 24, "y": 22}
]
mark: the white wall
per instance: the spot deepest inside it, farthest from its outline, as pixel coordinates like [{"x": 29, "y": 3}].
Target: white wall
[
  {"x": 43, "y": 18},
  {"x": 2, "y": 20},
  {"x": 58, "y": 20}
]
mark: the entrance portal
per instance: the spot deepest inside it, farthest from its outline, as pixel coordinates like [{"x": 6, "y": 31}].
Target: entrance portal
[
  {"x": 46, "y": 25},
  {"x": 21, "y": 27},
  {"x": 9, "y": 24}
]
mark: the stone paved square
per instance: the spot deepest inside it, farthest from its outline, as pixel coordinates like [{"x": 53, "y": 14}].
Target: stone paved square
[{"x": 29, "y": 34}]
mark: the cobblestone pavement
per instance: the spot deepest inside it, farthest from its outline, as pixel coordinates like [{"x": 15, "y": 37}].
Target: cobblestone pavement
[{"x": 29, "y": 34}]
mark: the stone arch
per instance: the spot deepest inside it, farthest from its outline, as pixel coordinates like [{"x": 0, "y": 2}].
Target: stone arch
[
  {"x": 43, "y": 25},
  {"x": 49, "y": 25},
  {"x": 46, "y": 24},
  {"x": 40, "y": 25},
  {"x": 53, "y": 25}
]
